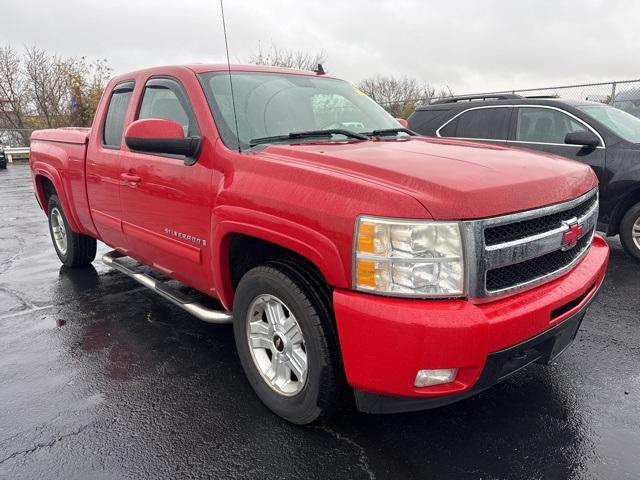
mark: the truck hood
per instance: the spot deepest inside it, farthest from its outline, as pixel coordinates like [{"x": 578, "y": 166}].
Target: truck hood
[{"x": 452, "y": 179}]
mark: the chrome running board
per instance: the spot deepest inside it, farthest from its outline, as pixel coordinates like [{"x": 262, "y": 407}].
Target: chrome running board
[{"x": 186, "y": 303}]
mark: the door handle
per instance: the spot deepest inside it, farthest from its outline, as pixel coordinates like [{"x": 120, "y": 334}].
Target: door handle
[{"x": 130, "y": 178}]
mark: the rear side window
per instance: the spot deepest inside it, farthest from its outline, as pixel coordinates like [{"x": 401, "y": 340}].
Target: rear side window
[
  {"x": 116, "y": 113},
  {"x": 165, "y": 98},
  {"x": 481, "y": 123},
  {"x": 426, "y": 121}
]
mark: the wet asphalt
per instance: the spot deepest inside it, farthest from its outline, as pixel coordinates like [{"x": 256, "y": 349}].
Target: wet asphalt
[{"x": 102, "y": 379}]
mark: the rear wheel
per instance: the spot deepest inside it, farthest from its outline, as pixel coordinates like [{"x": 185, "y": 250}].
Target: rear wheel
[
  {"x": 286, "y": 342},
  {"x": 630, "y": 231},
  {"x": 73, "y": 249}
]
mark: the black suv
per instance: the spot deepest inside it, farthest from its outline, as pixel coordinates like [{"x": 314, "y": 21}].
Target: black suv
[{"x": 599, "y": 135}]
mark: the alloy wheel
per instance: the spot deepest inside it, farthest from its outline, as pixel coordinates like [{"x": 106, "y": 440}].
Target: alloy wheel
[
  {"x": 277, "y": 345},
  {"x": 635, "y": 233},
  {"x": 58, "y": 230}
]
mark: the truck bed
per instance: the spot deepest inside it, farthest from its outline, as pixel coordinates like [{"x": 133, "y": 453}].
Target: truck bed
[
  {"x": 59, "y": 154},
  {"x": 77, "y": 135}
]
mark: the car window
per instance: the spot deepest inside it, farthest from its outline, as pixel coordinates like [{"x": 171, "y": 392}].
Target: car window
[
  {"x": 274, "y": 104},
  {"x": 481, "y": 123},
  {"x": 332, "y": 110},
  {"x": 165, "y": 98},
  {"x": 622, "y": 123},
  {"x": 545, "y": 125},
  {"x": 116, "y": 112},
  {"x": 629, "y": 106},
  {"x": 427, "y": 121}
]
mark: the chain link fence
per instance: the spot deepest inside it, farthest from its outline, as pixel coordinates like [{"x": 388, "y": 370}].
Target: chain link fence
[
  {"x": 606, "y": 92},
  {"x": 621, "y": 94}
]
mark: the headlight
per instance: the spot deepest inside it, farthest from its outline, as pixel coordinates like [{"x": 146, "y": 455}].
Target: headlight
[{"x": 408, "y": 257}]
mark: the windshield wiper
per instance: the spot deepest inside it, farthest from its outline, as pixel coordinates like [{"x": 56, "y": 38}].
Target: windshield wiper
[
  {"x": 309, "y": 134},
  {"x": 388, "y": 132}
]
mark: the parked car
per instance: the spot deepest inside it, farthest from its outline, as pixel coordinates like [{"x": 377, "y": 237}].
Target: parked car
[
  {"x": 629, "y": 101},
  {"x": 344, "y": 250},
  {"x": 3, "y": 158},
  {"x": 601, "y": 136}
]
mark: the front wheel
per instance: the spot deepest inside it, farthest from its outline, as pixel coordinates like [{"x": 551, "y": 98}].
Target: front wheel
[
  {"x": 286, "y": 342},
  {"x": 630, "y": 231},
  {"x": 73, "y": 249}
]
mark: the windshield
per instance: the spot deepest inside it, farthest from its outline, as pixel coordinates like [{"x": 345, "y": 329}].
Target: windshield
[
  {"x": 621, "y": 123},
  {"x": 629, "y": 106},
  {"x": 275, "y": 104}
]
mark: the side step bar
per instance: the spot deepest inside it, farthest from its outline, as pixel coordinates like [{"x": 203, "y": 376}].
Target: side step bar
[{"x": 174, "y": 296}]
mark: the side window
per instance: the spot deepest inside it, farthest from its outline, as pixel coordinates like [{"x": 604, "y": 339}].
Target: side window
[
  {"x": 116, "y": 112},
  {"x": 545, "y": 125},
  {"x": 428, "y": 120},
  {"x": 481, "y": 123},
  {"x": 165, "y": 98}
]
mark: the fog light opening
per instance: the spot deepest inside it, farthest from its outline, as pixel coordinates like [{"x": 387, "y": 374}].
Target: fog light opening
[{"x": 427, "y": 378}]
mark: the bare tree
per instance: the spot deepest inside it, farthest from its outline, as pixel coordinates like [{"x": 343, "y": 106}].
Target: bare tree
[
  {"x": 281, "y": 57},
  {"x": 41, "y": 90},
  {"x": 46, "y": 77},
  {"x": 13, "y": 93},
  {"x": 399, "y": 96}
]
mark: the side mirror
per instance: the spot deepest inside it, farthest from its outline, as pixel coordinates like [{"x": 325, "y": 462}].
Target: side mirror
[
  {"x": 155, "y": 135},
  {"x": 403, "y": 122},
  {"x": 584, "y": 138}
]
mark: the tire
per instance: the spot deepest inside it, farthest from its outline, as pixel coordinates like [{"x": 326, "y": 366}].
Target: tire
[
  {"x": 73, "y": 249},
  {"x": 629, "y": 226},
  {"x": 304, "y": 300}
]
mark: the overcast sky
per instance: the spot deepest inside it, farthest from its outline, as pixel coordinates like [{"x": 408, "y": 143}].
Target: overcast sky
[{"x": 468, "y": 45}]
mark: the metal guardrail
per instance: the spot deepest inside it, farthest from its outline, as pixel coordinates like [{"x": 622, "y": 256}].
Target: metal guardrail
[{"x": 10, "y": 152}]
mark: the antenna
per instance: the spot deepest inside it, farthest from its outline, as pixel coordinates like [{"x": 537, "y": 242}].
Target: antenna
[{"x": 233, "y": 98}]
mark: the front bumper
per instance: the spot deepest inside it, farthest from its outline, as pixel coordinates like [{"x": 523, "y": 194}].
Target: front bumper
[{"x": 385, "y": 341}]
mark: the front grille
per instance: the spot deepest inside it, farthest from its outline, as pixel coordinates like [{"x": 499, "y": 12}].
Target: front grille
[
  {"x": 527, "y": 228},
  {"x": 511, "y": 253},
  {"x": 535, "y": 268}
]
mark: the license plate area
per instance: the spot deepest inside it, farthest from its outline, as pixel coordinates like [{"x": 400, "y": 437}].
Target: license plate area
[{"x": 541, "y": 349}]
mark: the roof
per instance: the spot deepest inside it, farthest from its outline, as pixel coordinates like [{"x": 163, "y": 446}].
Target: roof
[
  {"x": 202, "y": 68},
  {"x": 514, "y": 101},
  {"x": 221, "y": 67}
]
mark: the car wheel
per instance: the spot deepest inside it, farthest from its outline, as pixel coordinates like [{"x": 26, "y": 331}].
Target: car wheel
[
  {"x": 287, "y": 343},
  {"x": 73, "y": 249},
  {"x": 630, "y": 231}
]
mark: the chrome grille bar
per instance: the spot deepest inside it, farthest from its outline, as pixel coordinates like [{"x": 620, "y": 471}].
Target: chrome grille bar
[{"x": 483, "y": 258}]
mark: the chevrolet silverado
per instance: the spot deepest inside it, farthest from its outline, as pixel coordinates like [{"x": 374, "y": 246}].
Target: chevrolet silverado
[{"x": 351, "y": 255}]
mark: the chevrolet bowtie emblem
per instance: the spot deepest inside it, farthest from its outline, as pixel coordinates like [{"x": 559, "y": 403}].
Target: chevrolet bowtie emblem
[{"x": 570, "y": 237}]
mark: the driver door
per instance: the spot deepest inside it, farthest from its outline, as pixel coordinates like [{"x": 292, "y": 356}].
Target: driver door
[
  {"x": 166, "y": 208},
  {"x": 544, "y": 128}
]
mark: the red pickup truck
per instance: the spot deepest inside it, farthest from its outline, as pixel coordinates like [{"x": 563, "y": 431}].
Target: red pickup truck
[{"x": 349, "y": 254}]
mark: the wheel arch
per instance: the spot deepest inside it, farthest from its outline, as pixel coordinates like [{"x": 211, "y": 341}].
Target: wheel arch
[
  {"x": 233, "y": 240},
  {"x": 44, "y": 189},
  {"x": 625, "y": 204},
  {"x": 48, "y": 182}
]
